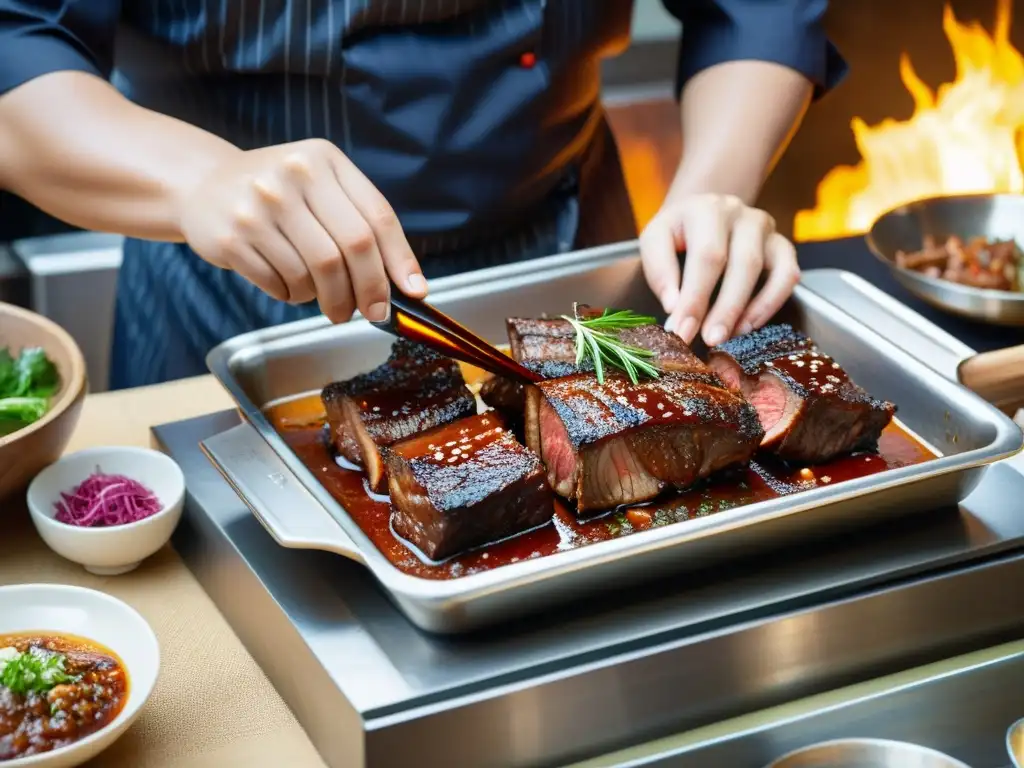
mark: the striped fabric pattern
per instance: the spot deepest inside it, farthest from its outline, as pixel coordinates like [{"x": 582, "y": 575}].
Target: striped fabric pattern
[
  {"x": 421, "y": 94},
  {"x": 479, "y": 120}
]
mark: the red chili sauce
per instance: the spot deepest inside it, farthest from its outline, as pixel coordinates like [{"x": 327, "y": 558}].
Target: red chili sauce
[{"x": 92, "y": 691}]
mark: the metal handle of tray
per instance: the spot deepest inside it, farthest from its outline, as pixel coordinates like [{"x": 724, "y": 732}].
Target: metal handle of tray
[
  {"x": 287, "y": 510},
  {"x": 898, "y": 323}
]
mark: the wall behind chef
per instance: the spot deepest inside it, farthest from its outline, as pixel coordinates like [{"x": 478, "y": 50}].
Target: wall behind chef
[{"x": 272, "y": 159}]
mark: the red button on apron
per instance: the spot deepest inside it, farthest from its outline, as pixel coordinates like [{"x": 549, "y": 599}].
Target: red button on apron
[{"x": 527, "y": 60}]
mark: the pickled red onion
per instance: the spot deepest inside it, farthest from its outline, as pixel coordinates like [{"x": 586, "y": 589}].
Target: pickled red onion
[{"x": 103, "y": 500}]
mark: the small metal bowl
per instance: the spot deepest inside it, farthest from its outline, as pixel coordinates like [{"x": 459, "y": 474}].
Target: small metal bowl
[
  {"x": 866, "y": 753},
  {"x": 1015, "y": 743},
  {"x": 991, "y": 216}
]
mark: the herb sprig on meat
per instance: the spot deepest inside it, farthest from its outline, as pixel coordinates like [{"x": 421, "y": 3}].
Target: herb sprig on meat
[{"x": 597, "y": 339}]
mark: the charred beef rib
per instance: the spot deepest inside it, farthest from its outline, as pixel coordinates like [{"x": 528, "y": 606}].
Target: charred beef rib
[
  {"x": 465, "y": 484},
  {"x": 621, "y": 443},
  {"x": 548, "y": 347},
  {"x": 810, "y": 409},
  {"x": 541, "y": 338},
  {"x": 555, "y": 340},
  {"x": 413, "y": 390},
  {"x": 508, "y": 397},
  {"x": 503, "y": 395}
]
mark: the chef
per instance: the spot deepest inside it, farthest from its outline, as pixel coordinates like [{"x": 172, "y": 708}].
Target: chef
[{"x": 270, "y": 159}]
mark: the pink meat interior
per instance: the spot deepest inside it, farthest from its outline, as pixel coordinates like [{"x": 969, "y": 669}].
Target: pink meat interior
[{"x": 775, "y": 404}]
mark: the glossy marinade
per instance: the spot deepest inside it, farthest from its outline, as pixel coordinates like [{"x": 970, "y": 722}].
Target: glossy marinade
[{"x": 300, "y": 423}]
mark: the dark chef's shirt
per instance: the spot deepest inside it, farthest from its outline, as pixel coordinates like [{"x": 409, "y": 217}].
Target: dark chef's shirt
[{"x": 479, "y": 120}]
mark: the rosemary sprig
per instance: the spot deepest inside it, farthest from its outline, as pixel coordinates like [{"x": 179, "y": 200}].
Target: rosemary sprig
[{"x": 597, "y": 338}]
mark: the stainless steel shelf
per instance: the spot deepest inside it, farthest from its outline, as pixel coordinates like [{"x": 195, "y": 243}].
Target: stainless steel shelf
[{"x": 962, "y": 708}]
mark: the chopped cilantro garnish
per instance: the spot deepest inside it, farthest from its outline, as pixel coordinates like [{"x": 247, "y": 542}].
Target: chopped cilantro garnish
[{"x": 34, "y": 671}]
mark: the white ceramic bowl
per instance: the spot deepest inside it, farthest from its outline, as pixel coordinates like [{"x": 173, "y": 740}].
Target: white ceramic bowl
[
  {"x": 115, "y": 549},
  {"x": 858, "y": 753},
  {"x": 59, "y": 609}
]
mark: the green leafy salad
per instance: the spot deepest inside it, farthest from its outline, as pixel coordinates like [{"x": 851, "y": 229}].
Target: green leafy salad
[{"x": 27, "y": 382}]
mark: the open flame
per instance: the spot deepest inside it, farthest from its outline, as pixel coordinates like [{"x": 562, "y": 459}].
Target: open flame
[{"x": 964, "y": 138}]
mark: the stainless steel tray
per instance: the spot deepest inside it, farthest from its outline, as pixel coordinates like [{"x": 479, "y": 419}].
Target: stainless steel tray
[{"x": 260, "y": 368}]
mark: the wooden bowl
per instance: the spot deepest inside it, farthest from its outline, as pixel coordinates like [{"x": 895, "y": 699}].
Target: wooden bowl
[{"x": 25, "y": 452}]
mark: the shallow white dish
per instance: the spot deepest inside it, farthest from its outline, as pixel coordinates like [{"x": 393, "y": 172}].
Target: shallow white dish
[
  {"x": 116, "y": 549},
  {"x": 91, "y": 615},
  {"x": 1015, "y": 743}
]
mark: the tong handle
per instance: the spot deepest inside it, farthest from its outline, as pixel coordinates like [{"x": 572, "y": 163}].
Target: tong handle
[{"x": 997, "y": 376}]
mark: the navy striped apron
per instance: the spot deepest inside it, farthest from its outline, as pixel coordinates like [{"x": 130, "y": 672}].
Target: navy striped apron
[{"x": 479, "y": 120}]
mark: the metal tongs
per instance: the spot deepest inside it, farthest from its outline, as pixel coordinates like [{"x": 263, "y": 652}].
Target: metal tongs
[{"x": 417, "y": 321}]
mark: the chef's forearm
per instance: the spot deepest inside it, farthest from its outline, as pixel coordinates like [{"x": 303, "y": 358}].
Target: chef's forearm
[
  {"x": 76, "y": 148},
  {"x": 737, "y": 119}
]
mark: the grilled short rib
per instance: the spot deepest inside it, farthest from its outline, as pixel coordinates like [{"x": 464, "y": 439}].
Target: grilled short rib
[
  {"x": 555, "y": 340},
  {"x": 622, "y": 443},
  {"x": 548, "y": 347},
  {"x": 505, "y": 396},
  {"x": 541, "y": 338},
  {"x": 533, "y": 342},
  {"x": 810, "y": 409},
  {"x": 508, "y": 397},
  {"x": 413, "y": 390},
  {"x": 465, "y": 484}
]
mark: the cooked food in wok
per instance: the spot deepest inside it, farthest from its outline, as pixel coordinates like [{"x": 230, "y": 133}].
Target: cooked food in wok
[
  {"x": 978, "y": 262},
  {"x": 600, "y": 446}
]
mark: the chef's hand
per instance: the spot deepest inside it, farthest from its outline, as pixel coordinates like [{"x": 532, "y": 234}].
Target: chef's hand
[
  {"x": 300, "y": 221},
  {"x": 723, "y": 238}
]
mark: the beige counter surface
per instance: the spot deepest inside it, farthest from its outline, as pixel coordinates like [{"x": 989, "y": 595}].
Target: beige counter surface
[{"x": 213, "y": 706}]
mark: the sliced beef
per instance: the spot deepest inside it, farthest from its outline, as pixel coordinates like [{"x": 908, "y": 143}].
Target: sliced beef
[
  {"x": 617, "y": 443},
  {"x": 545, "y": 338},
  {"x": 413, "y": 390},
  {"x": 465, "y": 484},
  {"x": 503, "y": 395},
  {"x": 810, "y": 409},
  {"x": 671, "y": 353}
]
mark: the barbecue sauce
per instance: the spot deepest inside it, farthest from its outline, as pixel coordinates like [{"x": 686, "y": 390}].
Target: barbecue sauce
[{"x": 300, "y": 423}]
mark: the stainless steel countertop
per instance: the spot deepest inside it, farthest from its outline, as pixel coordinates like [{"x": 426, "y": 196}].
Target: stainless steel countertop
[{"x": 612, "y": 672}]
